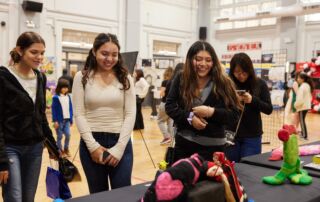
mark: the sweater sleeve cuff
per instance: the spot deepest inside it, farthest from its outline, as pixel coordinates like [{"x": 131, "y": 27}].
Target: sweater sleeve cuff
[
  {"x": 117, "y": 151},
  {"x": 93, "y": 147}
]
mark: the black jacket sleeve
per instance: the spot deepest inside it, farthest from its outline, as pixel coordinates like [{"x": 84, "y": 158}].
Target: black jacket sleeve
[
  {"x": 224, "y": 116},
  {"x": 3, "y": 156},
  {"x": 174, "y": 107},
  {"x": 263, "y": 102},
  {"x": 45, "y": 125}
]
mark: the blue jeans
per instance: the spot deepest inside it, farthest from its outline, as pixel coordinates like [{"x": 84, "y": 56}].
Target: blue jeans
[
  {"x": 244, "y": 147},
  {"x": 97, "y": 175},
  {"x": 24, "y": 171},
  {"x": 64, "y": 128}
]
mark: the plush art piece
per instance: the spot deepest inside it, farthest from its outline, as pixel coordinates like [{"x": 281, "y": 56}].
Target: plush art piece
[
  {"x": 291, "y": 168},
  {"x": 175, "y": 182},
  {"x": 222, "y": 170}
]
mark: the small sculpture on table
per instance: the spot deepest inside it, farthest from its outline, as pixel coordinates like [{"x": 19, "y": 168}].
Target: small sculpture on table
[{"x": 291, "y": 168}]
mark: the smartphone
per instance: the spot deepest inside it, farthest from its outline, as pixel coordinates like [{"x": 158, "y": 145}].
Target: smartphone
[
  {"x": 241, "y": 92},
  {"x": 105, "y": 155}
]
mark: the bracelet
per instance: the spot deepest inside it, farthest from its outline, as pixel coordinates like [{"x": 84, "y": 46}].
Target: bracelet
[{"x": 189, "y": 119}]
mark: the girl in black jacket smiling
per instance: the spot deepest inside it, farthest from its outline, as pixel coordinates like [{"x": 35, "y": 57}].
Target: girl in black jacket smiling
[
  {"x": 256, "y": 99},
  {"x": 23, "y": 122},
  {"x": 201, "y": 101}
]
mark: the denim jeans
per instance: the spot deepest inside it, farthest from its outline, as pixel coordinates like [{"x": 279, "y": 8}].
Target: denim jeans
[
  {"x": 165, "y": 123},
  {"x": 64, "y": 128},
  {"x": 24, "y": 171},
  {"x": 97, "y": 175},
  {"x": 244, "y": 147}
]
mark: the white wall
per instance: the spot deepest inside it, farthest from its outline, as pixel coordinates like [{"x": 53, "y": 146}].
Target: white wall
[
  {"x": 269, "y": 38},
  {"x": 308, "y": 41},
  {"x": 166, "y": 20},
  {"x": 93, "y": 16},
  {"x": 4, "y": 30}
]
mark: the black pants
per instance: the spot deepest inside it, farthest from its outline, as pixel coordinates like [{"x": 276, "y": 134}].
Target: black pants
[
  {"x": 185, "y": 148},
  {"x": 302, "y": 119},
  {"x": 139, "y": 118}
]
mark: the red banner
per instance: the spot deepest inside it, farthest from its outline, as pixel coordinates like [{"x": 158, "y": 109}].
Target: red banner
[{"x": 244, "y": 46}]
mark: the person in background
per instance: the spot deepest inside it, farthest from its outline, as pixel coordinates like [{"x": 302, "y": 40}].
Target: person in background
[
  {"x": 165, "y": 123},
  {"x": 291, "y": 114},
  {"x": 256, "y": 100},
  {"x": 62, "y": 114},
  {"x": 23, "y": 122},
  {"x": 201, "y": 101},
  {"x": 105, "y": 111},
  {"x": 68, "y": 78},
  {"x": 141, "y": 88},
  {"x": 303, "y": 100}
]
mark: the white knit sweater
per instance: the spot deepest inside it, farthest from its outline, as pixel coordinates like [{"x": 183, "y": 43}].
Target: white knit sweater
[{"x": 104, "y": 109}]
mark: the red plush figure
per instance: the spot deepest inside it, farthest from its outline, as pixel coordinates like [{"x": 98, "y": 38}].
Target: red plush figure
[{"x": 222, "y": 170}]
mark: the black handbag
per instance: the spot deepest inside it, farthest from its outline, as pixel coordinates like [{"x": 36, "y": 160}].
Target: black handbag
[
  {"x": 230, "y": 135},
  {"x": 67, "y": 168}
]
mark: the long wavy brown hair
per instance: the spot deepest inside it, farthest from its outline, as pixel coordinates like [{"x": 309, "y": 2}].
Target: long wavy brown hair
[
  {"x": 121, "y": 72},
  {"x": 223, "y": 88}
]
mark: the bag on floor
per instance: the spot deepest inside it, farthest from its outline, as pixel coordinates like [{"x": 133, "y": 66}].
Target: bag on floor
[{"x": 56, "y": 185}]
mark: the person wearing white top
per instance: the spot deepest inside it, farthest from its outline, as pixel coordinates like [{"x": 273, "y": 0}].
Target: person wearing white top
[
  {"x": 141, "y": 87},
  {"x": 303, "y": 100},
  {"x": 104, "y": 111}
]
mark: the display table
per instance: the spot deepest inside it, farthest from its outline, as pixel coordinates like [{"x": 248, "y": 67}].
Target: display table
[
  {"x": 202, "y": 192},
  {"x": 262, "y": 160},
  {"x": 251, "y": 178}
]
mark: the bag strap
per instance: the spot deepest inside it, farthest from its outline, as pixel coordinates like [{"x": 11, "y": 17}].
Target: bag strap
[{"x": 239, "y": 121}]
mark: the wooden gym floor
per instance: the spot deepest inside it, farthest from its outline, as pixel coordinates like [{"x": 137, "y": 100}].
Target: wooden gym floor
[{"x": 143, "y": 168}]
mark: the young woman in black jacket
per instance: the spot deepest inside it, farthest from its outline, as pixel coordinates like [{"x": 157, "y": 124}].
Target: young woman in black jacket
[
  {"x": 256, "y": 99},
  {"x": 201, "y": 101},
  {"x": 23, "y": 122}
]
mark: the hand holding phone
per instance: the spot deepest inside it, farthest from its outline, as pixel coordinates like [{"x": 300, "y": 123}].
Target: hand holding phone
[
  {"x": 241, "y": 92},
  {"x": 105, "y": 155}
]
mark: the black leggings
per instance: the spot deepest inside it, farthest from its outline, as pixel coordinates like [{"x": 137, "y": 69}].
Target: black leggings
[{"x": 302, "y": 118}]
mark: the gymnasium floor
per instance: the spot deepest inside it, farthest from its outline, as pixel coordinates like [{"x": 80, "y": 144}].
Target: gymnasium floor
[{"x": 143, "y": 168}]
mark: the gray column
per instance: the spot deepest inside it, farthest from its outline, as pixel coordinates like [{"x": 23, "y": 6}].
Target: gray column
[
  {"x": 204, "y": 17},
  {"x": 288, "y": 33},
  {"x": 133, "y": 25}
]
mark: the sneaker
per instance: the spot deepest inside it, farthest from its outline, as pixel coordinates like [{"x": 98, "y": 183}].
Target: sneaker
[{"x": 165, "y": 141}]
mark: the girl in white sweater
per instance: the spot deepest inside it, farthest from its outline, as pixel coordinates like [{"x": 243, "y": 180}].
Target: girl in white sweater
[
  {"x": 105, "y": 110},
  {"x": 303, "y": 100}
]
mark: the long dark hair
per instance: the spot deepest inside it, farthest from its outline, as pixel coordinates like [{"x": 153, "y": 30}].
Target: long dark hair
[
  {"x": 24, "y": 41},
  {"x": 139, "y": 74},
  {"x": 244, "y": 62},
  {"x": 223, "y": 87},
  {"x": 306, "y": 78},
  {"x": 91, "y": 63}
]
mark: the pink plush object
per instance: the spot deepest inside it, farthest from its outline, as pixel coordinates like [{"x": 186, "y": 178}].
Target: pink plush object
[
  {"x": 276, "y": 154},
  {"x": 283, "y": 135},
  {"x": 167, "y": 188}
]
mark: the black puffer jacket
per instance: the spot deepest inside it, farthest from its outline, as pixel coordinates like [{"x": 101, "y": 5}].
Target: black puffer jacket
[{"x": 22, "y": 122}]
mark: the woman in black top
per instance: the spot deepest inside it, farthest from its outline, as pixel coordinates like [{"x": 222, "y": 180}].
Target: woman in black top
[
  {"x": 201, "y": 101},
  {"x": 23, "y": 122},
  {"x": 256, "y": 99}
]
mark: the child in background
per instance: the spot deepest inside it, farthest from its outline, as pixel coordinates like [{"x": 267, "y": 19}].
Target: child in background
[{"x": 62, "y": 114}]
